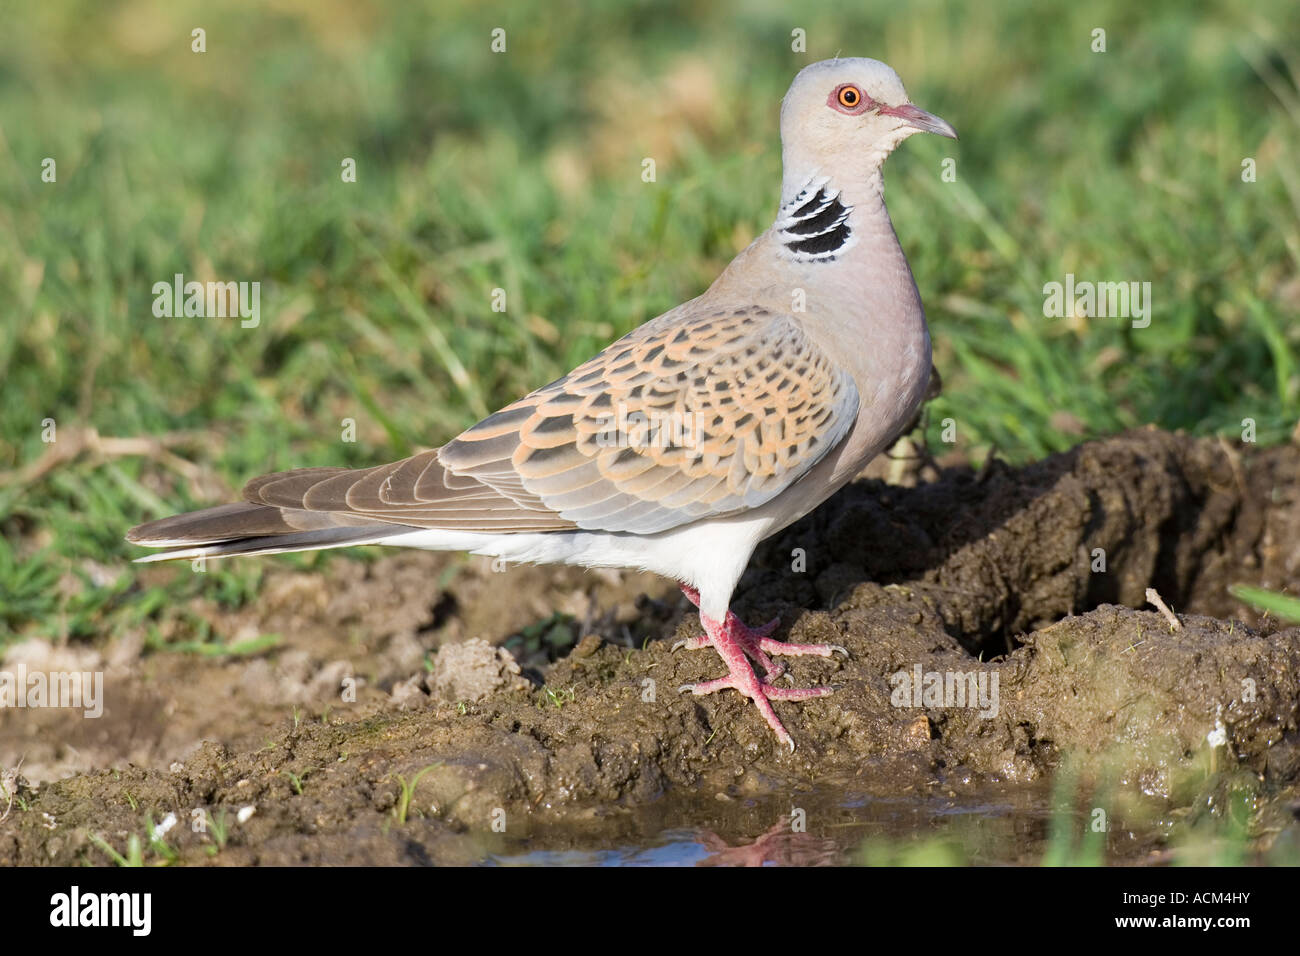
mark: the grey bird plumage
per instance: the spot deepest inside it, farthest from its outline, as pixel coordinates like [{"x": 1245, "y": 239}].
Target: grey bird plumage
[{"x": 682, "y": 445}]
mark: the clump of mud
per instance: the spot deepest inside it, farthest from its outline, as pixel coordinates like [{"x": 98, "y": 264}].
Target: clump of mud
[{"x": 992, "y": 617}]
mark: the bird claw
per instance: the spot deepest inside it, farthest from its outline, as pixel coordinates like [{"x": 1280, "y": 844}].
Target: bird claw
[
  {"x": 735, "y": 642},
  {"x": 781, "y": 734},
  {"x": 785, "y": 649}
]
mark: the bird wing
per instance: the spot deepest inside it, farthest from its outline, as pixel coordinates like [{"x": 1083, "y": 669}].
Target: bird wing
[{"x": 696, "y": 414}]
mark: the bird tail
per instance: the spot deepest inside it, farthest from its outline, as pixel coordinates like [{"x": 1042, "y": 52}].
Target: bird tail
[{"x": 245, "y": 528}]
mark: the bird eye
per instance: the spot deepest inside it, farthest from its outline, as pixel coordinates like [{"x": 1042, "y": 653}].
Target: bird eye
[{"x": 850, "y": 97}]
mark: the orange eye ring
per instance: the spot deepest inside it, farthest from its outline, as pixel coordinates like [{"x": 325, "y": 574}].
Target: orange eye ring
[{"x": 850, "y": 97}]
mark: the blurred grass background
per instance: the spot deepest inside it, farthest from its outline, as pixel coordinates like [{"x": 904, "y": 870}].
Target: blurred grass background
[{"x": 522, "y": 171}]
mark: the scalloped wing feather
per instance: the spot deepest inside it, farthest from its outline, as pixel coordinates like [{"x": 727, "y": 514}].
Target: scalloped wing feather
[
  {"x": 689, "y": 416},
  {"x": 680, "y": 420}
]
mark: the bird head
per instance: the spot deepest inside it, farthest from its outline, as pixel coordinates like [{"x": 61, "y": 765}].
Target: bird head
[{"x": 849, "y": 113}]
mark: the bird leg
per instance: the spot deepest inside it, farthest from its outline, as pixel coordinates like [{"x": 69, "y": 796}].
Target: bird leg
[
  {"x": 734, "y": 641},
  {"x": 756, "y": 642}
]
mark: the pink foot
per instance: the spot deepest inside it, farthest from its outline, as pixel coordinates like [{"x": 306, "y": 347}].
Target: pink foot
[
  {"x": 734, "y": 641},
  {"x": 755, "y": 641}
]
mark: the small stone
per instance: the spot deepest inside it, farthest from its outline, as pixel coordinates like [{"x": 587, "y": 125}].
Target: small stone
[
  {"x": 472, "y": 670},
  {"x": 408, "y": 693},
  {"x": 586, "y": 647},
  {"x": 919, "y": 729}
]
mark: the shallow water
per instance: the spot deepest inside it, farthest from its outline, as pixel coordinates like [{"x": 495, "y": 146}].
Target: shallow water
[{"x": 827, "y": 826}]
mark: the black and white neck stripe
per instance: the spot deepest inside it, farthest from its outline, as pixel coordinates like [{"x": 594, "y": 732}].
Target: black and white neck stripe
[{"x": 814, "y": 226}]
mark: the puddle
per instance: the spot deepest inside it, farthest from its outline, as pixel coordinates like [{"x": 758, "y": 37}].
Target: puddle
[{"x": 999, "y": 826}]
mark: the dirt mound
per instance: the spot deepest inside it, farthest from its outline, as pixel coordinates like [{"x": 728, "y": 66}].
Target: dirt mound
[{"x": 990, "y": 645}]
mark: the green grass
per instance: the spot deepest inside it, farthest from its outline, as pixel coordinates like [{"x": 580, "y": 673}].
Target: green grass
[
  {"x": 406, "y": 792},
  {"x": 521, "y": 171},
  {"x": 1284, "y": 606},
  {"x": 165, "y": 854}
]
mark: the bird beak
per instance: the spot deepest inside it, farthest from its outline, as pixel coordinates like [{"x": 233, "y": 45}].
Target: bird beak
[{"x": 918, "y": 118}]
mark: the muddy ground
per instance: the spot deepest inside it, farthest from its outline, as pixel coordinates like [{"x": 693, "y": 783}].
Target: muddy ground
[{"x": 429, "y": 708}]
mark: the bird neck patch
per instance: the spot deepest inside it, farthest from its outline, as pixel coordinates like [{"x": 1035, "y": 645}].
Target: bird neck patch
[{"x": 814, "y": 225}]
